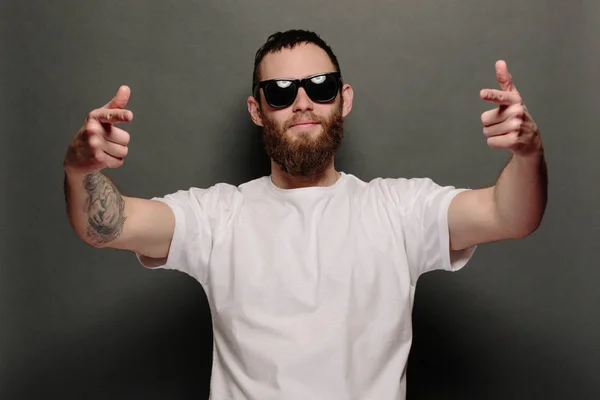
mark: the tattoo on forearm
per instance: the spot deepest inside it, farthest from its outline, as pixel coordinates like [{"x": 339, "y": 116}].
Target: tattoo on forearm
[{"x": 105, "y": 207}]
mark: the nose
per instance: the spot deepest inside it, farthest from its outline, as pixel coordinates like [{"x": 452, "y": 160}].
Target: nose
[{"x": 302, "y": 102}]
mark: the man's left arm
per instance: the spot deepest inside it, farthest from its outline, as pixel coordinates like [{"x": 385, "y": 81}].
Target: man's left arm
[{"x": 514, "y": 206}]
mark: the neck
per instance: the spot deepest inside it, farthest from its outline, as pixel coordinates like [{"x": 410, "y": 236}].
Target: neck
[{"x": 285, "y": 181}]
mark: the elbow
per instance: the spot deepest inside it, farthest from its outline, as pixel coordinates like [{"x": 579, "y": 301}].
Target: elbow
[
  {"x": 520, "y": 234},
  {"x": 520, "y": 224},
  {"x": 91, "y": 239},
  {"x": 93, "y": 235},
  {"x": 96, "y": 244},
  {"x": 520, "y": 231}
]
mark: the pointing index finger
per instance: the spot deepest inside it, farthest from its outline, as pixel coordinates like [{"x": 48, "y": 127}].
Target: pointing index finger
[
  {"x": 111, "y": 115},
  {"x": 500, "y": 97}
]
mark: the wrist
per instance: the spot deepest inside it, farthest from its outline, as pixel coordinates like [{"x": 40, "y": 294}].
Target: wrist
[
  {"x": 74, "y": 173},
  {"x": 534, "y": 155},
  {"x": 533, "y": 152}
]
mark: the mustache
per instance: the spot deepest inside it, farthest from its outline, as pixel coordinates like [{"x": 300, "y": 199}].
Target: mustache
[{"x": 307, "y": 116}]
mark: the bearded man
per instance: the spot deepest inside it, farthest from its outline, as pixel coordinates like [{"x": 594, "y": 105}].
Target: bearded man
[{"x": 310, "y": 272}]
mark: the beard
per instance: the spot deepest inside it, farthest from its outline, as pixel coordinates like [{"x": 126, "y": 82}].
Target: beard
[{"x": 300, "y": 154}]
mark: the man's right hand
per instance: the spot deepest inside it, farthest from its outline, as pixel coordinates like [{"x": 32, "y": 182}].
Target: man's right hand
[{"x": 99, "y": 143}]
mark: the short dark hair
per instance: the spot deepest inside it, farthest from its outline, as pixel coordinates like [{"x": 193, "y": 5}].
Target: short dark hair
[{"x": 288, "y": 39}]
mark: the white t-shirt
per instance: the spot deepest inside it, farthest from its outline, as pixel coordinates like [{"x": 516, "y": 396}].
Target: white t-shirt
[{"x": 311, "y": 290}]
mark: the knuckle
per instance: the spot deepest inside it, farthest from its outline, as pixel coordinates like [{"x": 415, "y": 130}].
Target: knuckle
[
  {"x": 90, "y": 129},
  {"x": 97, "y": 156},
  {"x": 519, "y": 111},
  {"x": 93, "y": 141},
  {"x": 517, "y": 123}
]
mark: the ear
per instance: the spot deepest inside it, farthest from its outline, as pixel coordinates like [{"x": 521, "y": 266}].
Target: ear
[
  {"x": 254, "y": 111},
  {"x": 348, "y": 96}
]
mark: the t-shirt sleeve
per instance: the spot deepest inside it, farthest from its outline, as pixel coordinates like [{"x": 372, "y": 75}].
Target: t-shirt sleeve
[
  {"x": 424, "y": 218},
  {"x": 199, "y": 216}
]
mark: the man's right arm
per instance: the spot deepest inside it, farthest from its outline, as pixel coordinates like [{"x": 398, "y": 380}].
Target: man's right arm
[{"x": 100, "y": 215}]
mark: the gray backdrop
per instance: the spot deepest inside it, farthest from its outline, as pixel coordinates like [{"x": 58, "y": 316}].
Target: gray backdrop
[{"x": 522, "y": 321}]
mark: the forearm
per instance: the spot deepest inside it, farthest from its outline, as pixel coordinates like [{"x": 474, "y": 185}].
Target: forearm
[
  {"x": 95, "y": 208},
  {"x": 520, "y": 194}
]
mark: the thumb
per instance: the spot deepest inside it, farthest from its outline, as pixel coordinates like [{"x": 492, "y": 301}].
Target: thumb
[
  {"x": 504, "y": 77},
  {"x": 121, "y": 98}
]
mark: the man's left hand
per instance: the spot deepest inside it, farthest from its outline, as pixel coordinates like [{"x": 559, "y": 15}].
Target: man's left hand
[{"x": 509, "y": 126}]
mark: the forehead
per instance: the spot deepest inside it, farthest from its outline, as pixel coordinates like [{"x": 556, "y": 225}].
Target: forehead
[{"x": 303, "y": 60}]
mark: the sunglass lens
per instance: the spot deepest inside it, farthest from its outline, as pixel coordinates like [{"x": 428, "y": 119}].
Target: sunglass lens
[
  {"x": 322, "y": 88},
  {"x": 280, "y": 93}
]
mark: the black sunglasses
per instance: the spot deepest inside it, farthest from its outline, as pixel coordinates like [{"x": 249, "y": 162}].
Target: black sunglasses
[{"x": 281, "y": 93}]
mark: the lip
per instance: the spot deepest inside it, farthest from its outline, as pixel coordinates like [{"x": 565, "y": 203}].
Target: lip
[{"x": 305, "y": 123}]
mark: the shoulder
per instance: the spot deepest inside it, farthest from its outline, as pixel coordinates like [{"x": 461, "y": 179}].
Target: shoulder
[
  {"x": 211, "y": 198},
  {"x": 258, "y": 185},
  {"x": 400, "y": 187},
  {"x": 217, "y": 190},
  {"x": 406, "y": 193},
  {"x": 220, "y": 194}
]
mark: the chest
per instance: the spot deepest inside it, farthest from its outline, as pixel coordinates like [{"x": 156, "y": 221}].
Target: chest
[{"x": 297, "y": 258}]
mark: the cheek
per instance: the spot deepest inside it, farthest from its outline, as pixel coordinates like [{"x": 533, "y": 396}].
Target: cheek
[
  {"x": 282, "y": 118},
  {"x": 272, "y": 119},
  {"x": 326, "y": 111}
]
